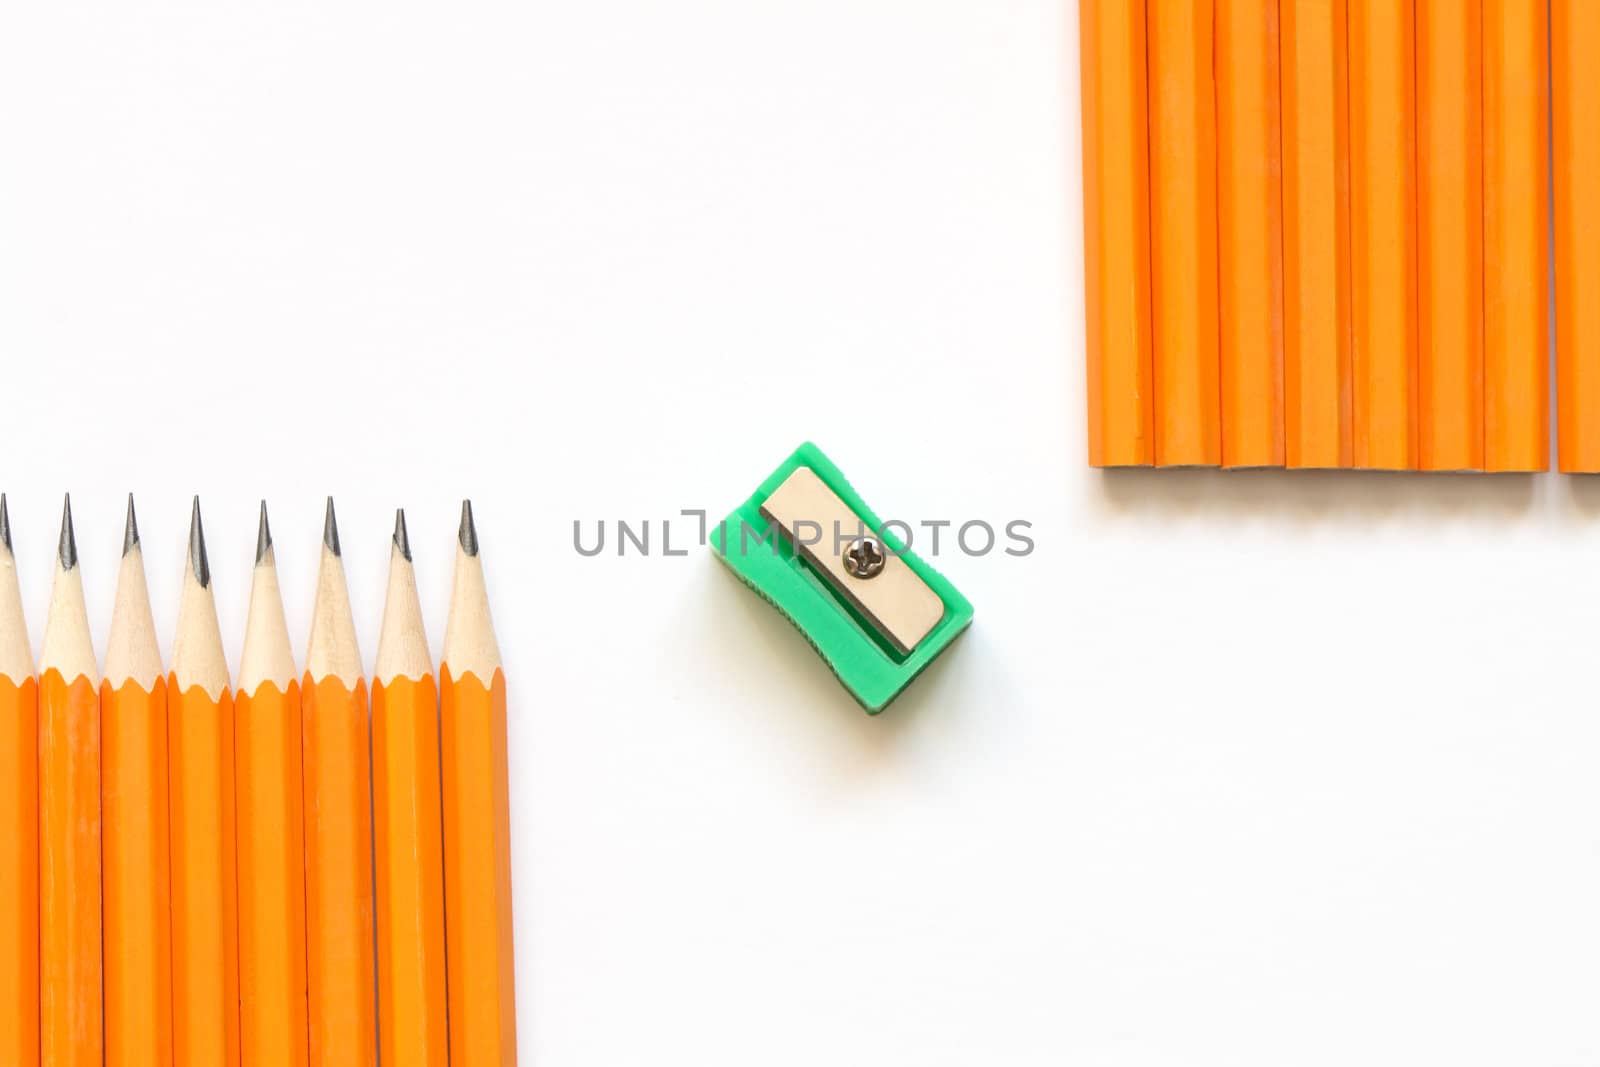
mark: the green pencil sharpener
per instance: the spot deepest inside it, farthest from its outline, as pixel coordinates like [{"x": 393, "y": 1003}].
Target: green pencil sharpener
[{"x": 875, "y": 611}]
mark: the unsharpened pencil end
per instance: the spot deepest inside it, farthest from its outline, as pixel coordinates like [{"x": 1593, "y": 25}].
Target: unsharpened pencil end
[
  {"x": 198, "y": 564},
  {"x": 67, "y": 549},
  {"x": 330, "y": 530},
  {"x": 5, "y": 524},
  {"x": 469, "y": 530},
  {"x": 263, "y": 535},
  {"x": 402, "y": 540},
  {"x": 130, "y": 529}
]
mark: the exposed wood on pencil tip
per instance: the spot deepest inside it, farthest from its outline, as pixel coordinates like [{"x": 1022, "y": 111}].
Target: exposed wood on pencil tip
[
  {"x": 263, "y": 536},
  {"x": 402, "y": 540},
  {"x": 198, "y": 564},
  {"x": 5, "y": 524},
  {"x": 469, "y": 530},
  {"x": 67, "y": 549},
  {"x": 130, "y": 529},
  {"x": 330, "y": 530}
]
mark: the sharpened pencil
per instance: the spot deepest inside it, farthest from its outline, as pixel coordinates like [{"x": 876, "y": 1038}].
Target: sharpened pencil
[
  {"x": 338, "y": 806},
  {"x": 135, "y": 848},
  {"x": 412, "y": 1025},
  {"x": 205, "y": 957},
  {"x": 477, "y": 822},
  {"x": 271, "y": 830},
  {"x": 70, "y": 976},
  {"x": 19, "y": 820}
]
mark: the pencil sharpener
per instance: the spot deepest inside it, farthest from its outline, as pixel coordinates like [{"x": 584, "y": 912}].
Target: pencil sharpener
[{"x": 875, "y": 611}]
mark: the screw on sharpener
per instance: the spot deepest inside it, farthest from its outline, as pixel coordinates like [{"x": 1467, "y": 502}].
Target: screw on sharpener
[{"x": 864, "y": 557}]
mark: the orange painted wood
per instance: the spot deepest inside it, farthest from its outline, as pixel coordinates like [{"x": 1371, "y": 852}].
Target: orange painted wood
[
  {"x": 1316, "y": 234},
  {"x": 1450, "y": 413},
  {"x": 137, "y": 888},
  {"x": 70, "y": 976},
  {"x": 1517, "y": 235},
  {"x": 1116, "y": 232},
  {"x": 272, "y": 892},
  {"x": 407, "y": 823},
  {"x": 477, "y": 851},
  {"x": 339, "y": 925},
  {"x": 1383, "y": 225},
  {"x": 205, "y": 948},
  {"x": 1575, "y": 77},
  {"x": 19, "y": 871},
  {"x": 1183, "y": 233},
  {"x": 1249, "y": 233}
]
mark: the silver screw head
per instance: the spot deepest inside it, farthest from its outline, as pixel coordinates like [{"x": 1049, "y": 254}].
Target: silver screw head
[{"x": 864, "y": 557}]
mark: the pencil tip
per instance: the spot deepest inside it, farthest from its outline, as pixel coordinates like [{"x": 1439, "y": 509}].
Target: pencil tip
[
  {"x": 469, "y": 530},
  {"x": 198, "y": 564},
  {"x": 5, "y": 523},
  {"x": 130, "y": 529},
  {"x": 330, "y": 530},
  {"x": 402, "y": 540},
  {"x": 263, "y": 535},
  {"x": 67, "y": 550}
]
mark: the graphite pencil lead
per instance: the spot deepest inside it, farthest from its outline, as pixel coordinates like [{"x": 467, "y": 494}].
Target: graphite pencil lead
[
  {"x": 5, "y": 524},
  {"x": 402, "y": 541},
  {"x": 469, "y": 530},
  {"x": 197, "y": 548},
  {"x": 330, "y": 530},
  {"x": 130, "y": 529},
  {"x": 263, "y": 535},
  {"x": 67, "y": 549}
]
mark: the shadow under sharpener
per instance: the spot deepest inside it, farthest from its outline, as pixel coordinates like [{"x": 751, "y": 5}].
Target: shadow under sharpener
[{"x": 876, "y": 613}]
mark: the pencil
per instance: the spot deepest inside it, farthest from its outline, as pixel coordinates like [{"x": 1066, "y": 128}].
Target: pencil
[
  {"x": 1116, "y": 232},
  {"x": 1249, "y": 233},
  {"x": 477, "y": 822},
  {"x": 1383, "y": 225},
  {"x": 338, "y": 806},
  {"x": 1316, "y": 234},
  {"x": 1516, "y": 236},
  {"x": 205, "y": 958},
  {"x": 1575, "y": 110},
  {"x": 1450, "y": 141},
  {"x": 271, "y": 842},
  {"x": 1183, "y": 233},
  {"x": 70, "y": 1004},
  {"x": 19, "y": 820},
  {"x": 135, "y": 847},
  {"x": 406, "y": 822}
]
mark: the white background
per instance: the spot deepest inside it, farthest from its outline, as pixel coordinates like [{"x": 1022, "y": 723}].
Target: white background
[{"x": 1249, "y": 770}]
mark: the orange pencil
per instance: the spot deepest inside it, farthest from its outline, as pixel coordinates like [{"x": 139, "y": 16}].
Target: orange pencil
[
  {"x": 19, "y": 821},
  {"x": 205, "y": 957},
  {"x": 1116, "y": 232},
  {"x": 1249, "y": 233},
  {"x": 70, "y": 1004},
  {"x": 477, "y": 823},
  {"x": 133, "y": 791},
  {"x": 1316, "y": 234},
  {"x": 1450, "y": 140},
  {"x": 406, "y": 822},
  {"x": 1516, "y": 241},
  {"x": 1383, "y": 232},
  {"x": 271, "y": 841},
  {"x": 1575, "y": 77},
  {"x": 1183, "y": 233},
  {"x": 338, "y": 807}
]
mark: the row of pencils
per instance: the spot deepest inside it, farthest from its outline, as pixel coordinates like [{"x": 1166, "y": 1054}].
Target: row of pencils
[
  {"x": 1318, "y": 233},
  {"x": 277, "y": 874}
]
